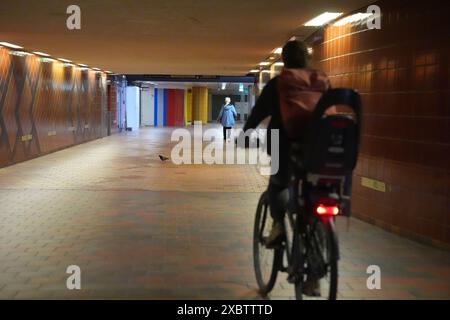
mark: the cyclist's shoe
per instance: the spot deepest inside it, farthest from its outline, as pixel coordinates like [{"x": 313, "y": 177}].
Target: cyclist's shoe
[
  {"x": 276, "y": 236},
  {"x": 311, "y": 287}
]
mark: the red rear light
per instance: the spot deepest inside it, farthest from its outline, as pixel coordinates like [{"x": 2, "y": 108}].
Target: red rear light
[{"x": 324, "y": 210}]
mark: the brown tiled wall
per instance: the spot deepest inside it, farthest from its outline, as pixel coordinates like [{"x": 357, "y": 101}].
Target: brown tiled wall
[
  {"x": 402, "y": 73},
  {"x": 112, "y": 106},
  {"x": 46, "y": 106}
]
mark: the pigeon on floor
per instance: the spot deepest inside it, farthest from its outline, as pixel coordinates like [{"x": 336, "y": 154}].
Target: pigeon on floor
[{"x": 163, "y": 158}]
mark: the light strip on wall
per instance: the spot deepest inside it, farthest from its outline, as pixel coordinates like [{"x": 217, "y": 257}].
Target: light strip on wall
[
  {"x": 278, "y": 50},
  {"x": 322, "y": 19},
  {"x": 20, "y": 53},
  {"x": 10, "y": 45},
  {"x": 42, "y": 54},
  {"x": 47, "y": 60},
  {"x": 352, "y": 19},
  {"x": 265, "y": 63},
  {"x": 46, "y": 56}
]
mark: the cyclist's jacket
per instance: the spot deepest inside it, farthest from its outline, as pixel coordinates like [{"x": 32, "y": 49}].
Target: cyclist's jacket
[
  {"x": 299, "y": 91},
  {"x": 289, "y": 99}
]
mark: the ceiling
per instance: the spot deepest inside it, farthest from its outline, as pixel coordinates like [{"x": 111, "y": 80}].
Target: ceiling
[{"x": 203, "y": 37}]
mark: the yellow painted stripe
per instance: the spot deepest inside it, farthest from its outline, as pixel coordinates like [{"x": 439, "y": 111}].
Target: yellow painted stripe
[{"x": 200, "y": 104}]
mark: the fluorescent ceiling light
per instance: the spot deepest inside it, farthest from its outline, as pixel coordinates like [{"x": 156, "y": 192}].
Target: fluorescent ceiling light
[
  {"x": 111, "y": 72},
  {"x": 322, "y": 19},
  {"x": 264, "y": 63},
  {"x": 82, "y": 65},
  {"x": 254, "y": 71},
  {"x": 279, "y": 64},
  {"x": 353, "y": 18},
  {"x": 96, "y": 69},
  {"x": 43, "y": 54},
  {"x": 10, "y": 45},
  {"x": 64, "y": 60}
]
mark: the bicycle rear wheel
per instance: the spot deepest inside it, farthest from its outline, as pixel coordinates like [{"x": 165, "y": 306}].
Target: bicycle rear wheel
[
  {"x": 322, "y": 257},
  {"x": 266, "y": 261},
  {"x": 298, "y": 256}
]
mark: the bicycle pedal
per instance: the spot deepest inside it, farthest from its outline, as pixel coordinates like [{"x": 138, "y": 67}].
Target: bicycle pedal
[
  {"x": 274, "y": 246},
  {"x": 292, "y": 279}
]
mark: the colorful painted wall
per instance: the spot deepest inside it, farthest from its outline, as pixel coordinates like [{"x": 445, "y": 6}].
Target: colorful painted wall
[
  {"x": 46, "y": 105},
  {"x": 402, "y": 181},
  {"x": 169, "y": 107}
]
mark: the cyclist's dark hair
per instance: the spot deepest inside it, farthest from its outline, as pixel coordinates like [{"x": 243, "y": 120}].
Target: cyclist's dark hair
[{"x": 295, "y": 55}]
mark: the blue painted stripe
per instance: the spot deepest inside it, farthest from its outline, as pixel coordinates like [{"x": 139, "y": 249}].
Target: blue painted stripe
[
  {"x": 155, "y": 116},
  {"x": 165, "y": 108}
]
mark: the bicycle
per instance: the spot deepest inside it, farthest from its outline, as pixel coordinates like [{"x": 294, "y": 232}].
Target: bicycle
[{"x": 318, "y": 193}]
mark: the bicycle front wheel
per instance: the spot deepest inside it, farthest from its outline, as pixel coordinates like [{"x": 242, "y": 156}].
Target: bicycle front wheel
[{"x": 266, "y": 261}]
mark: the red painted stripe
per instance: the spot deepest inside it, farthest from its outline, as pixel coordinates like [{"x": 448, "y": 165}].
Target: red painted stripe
[{"x": 175, "y": 107}]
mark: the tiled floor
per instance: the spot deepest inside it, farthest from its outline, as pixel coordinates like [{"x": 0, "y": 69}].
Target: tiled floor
[{"x": 141, "y": 228}]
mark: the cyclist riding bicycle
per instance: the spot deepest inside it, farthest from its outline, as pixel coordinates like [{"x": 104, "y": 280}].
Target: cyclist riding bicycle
[{"x": 290, "y": 100}]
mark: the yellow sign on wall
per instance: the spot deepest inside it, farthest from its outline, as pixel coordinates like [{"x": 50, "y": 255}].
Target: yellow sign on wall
[
  {"x": 27, "y": 137},
  {"x": 373, "y": 184}
]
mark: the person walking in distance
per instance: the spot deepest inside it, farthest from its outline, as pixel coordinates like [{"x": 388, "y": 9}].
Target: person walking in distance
[{"x": 227, "y": 117}]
